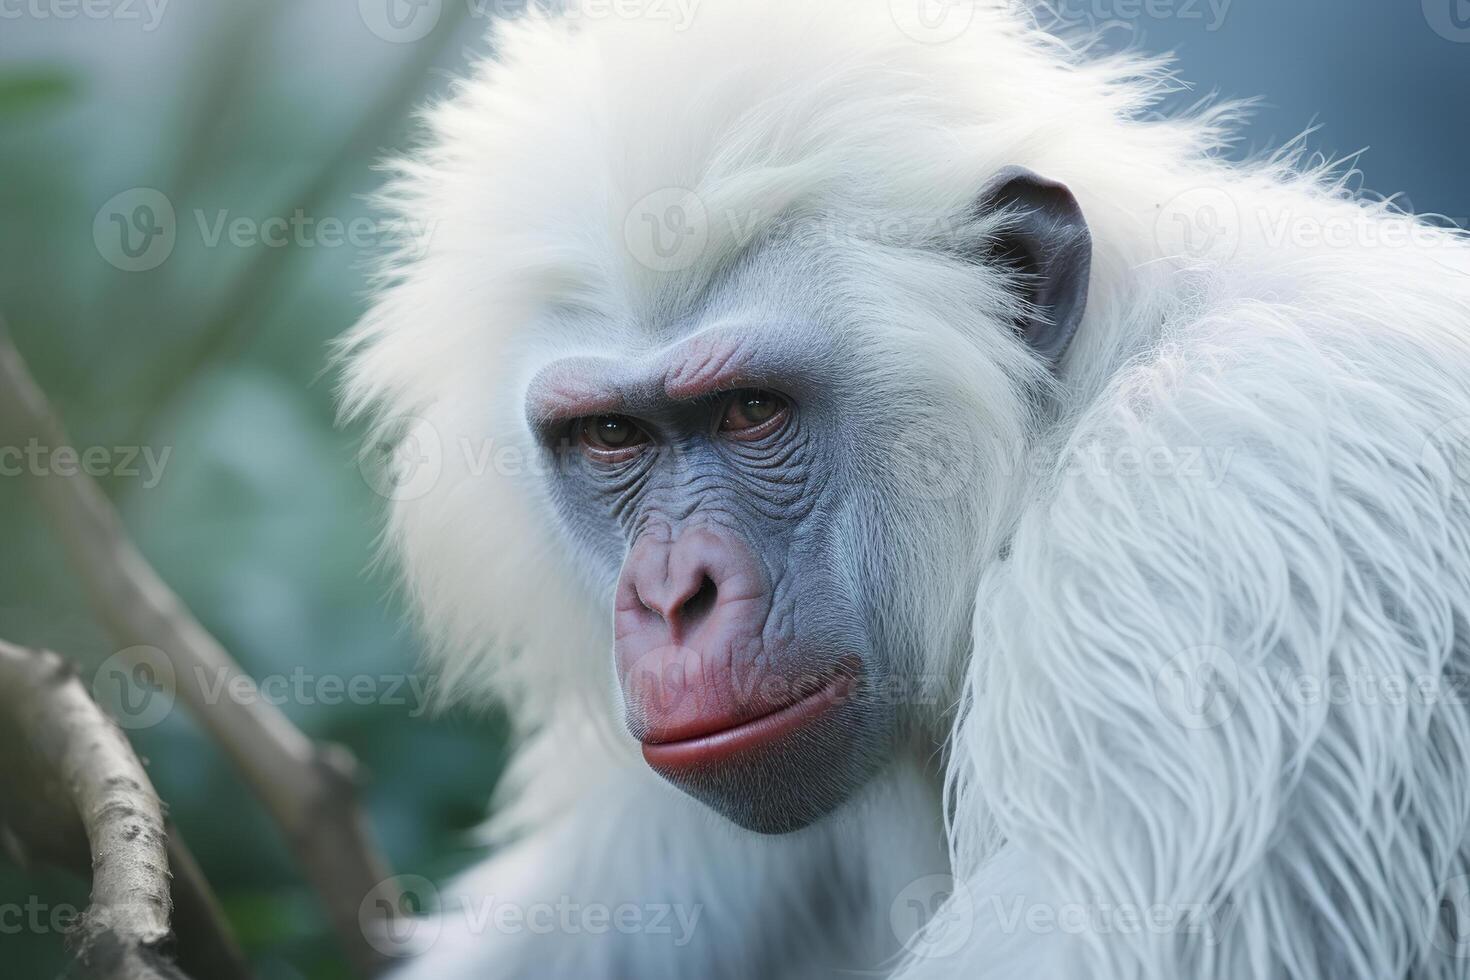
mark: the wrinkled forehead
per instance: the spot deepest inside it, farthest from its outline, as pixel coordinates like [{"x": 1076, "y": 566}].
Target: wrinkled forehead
[{"x": 627, "y": 374}]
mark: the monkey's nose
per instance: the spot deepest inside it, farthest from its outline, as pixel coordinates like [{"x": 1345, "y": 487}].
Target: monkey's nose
[
  {"x": 683, "y": 605},
  {"x": 677, "y": 587}
]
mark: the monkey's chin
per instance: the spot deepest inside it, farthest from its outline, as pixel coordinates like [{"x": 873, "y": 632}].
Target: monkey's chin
[{"x": 779, "y": 773}]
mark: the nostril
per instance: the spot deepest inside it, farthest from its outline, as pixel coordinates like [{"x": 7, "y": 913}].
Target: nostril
[
  {"x": 680, "y": 613},
  {"x": 701, "y": 602}
]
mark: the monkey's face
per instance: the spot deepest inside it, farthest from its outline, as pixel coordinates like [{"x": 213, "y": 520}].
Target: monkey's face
[
  {"x": 774, "y": 558},
  {"x": 712, "y": 480}
]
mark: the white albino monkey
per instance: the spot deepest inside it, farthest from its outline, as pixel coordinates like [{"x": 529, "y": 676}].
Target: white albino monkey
[{"x": 868, "y": 450}]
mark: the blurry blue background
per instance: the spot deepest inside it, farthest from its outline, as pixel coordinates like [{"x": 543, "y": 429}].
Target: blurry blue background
[{"x": 261, "y": 518}]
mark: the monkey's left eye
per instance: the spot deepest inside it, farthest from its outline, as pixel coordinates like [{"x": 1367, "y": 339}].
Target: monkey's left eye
[
  {"x": 753, "y": 412},
  {"x": 611, "y": 433}
]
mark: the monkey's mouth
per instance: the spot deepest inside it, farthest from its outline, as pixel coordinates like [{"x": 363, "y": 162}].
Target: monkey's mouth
[{"x": 729, "y": 745}]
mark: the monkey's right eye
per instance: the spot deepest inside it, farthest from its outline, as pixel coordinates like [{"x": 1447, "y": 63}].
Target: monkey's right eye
[{"x": 611, "y": 434}]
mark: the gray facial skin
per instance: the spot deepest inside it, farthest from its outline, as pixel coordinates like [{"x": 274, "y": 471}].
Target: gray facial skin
[
  {"x": 728, "y": 607},
  {"x": 716, "y": 482}
]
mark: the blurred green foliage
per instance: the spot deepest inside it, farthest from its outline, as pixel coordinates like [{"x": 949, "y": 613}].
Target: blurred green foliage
[{"x": 219, "y": 357}]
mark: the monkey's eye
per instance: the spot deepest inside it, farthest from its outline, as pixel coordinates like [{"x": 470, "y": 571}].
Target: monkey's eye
[
  {"x": 753, "y": 412},
  {"x": 611, "y": 434}
]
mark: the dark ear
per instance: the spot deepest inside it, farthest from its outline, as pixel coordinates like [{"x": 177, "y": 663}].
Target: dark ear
[{"x": 1047, "y": 245}]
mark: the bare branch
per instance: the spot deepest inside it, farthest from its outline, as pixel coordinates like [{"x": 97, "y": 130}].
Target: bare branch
[
  {"x": 71, "y": 740},
  {"x": 40, "y": 823},
  {"x": 309, "y": 790}
]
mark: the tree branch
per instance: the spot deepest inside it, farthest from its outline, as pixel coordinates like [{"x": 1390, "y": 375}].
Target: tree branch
[
  {"x": 309, "y": 790},
  {"x": 86, "y": 757},
  {"x": 39, "y": 823}
]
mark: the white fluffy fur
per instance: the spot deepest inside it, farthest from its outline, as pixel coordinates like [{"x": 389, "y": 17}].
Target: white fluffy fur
[{"x": 1326, "y": 536}]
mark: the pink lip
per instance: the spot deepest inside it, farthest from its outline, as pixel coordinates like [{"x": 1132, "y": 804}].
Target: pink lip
[{"x": 731, "y": 743}]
